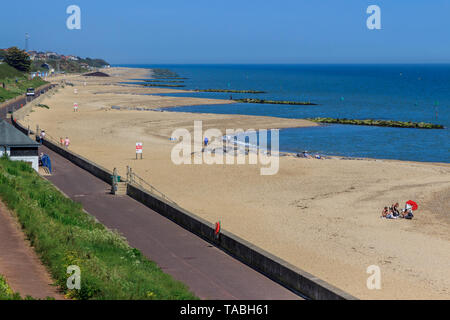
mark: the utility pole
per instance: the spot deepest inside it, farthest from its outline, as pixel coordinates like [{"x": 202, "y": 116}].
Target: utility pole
[{"x": 27, "y": 36}]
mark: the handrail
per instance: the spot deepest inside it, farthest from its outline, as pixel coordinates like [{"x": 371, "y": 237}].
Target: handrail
[{"x": 134, "y": 178}]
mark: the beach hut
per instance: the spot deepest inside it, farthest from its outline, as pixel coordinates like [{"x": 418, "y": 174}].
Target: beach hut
[{"x": 18, "y": 146}]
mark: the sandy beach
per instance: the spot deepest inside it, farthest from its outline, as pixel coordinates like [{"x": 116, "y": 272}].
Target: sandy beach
[{"x": 320, "y": 215}]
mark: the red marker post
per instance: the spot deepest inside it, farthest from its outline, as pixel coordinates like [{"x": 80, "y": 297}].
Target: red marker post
[{"x": 217, "y": 230}]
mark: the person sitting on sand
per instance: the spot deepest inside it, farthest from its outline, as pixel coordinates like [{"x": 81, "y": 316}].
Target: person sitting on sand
[
  {"x": 387, "y": 213},
  {"x": 407, "y": 212},
  {"x": 394, "y": 210},
  {"x": 306, "y": 154}
]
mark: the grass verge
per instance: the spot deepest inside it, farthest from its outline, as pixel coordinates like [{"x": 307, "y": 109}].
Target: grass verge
[
  {"x": 6, "y": 292},
  {"x": 63, "y": 235}
]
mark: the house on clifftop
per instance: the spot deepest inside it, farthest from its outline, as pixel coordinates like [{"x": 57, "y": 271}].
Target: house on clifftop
[{"x": 18, "y": 146}]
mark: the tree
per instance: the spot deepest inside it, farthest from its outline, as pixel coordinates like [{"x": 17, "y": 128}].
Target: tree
[{"x": 18, "y": 59}]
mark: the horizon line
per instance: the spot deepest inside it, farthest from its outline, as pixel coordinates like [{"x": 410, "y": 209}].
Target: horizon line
[{"x": 285, "y": 63}]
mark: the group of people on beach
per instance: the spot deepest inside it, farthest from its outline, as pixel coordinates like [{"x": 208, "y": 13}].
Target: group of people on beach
[
  {"x": 64, "y": 142},
  {"x": 394, "y": 212},
  {"x": 305, "y": 154}
]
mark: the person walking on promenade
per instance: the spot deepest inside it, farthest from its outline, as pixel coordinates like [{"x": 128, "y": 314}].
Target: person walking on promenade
[
  {"x": 67, "y": 142},
  {"x": 42, "y": 136}
]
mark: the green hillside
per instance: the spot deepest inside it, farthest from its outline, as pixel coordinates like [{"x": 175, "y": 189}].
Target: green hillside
[
  {"x": 6, "y": 71},
  {"x": 14, "y": 83}
]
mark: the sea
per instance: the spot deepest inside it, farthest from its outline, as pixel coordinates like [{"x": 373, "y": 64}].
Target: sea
[{"x": 419, "y": 93}]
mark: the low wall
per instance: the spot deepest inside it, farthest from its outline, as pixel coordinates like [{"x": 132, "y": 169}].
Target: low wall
[{"x": 19, "y": 127}]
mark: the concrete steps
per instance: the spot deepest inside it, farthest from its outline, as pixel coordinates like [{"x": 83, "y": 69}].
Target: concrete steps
[
  {"x": 121, "y": 189},
  {"x": 43, "y": 171}
]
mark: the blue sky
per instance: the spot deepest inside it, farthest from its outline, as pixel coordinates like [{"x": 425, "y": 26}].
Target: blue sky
[{"x": 245, "y": 31}]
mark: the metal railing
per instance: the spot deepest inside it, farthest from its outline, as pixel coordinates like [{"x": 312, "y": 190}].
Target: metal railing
[{"x": 133, "y": 178}]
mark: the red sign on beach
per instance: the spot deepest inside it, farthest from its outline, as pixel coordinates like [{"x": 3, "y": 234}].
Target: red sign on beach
[{"x": 138, "y": 147}]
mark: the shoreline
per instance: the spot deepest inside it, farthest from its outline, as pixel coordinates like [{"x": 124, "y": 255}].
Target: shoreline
[
  {"x": 322, "y": 216},
  {"x": 334, "y": 156},
  {"x": 329, "y": 154}
]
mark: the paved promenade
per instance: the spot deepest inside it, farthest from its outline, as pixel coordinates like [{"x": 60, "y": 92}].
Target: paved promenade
[{"x": 209, "y": 272}]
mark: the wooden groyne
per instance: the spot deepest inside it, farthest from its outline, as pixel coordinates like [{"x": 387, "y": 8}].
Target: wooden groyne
[
  {"x": 379, "y": 123},
  {"x": 302, "y": 103}
]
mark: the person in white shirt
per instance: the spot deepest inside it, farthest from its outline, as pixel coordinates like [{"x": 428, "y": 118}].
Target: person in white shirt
[
  {"x": 407, "y": 212},
  {"x": 42, "y": 135}
]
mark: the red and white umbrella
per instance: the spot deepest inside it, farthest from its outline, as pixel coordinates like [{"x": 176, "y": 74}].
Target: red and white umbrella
[{"x": 412, "y": 204}]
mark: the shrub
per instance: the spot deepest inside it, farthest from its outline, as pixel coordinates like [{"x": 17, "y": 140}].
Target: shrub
[{"x": 18, "y": 59}]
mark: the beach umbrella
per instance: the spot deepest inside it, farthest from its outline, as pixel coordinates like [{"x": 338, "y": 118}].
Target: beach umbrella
[{"x": 412, "y": 204}]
